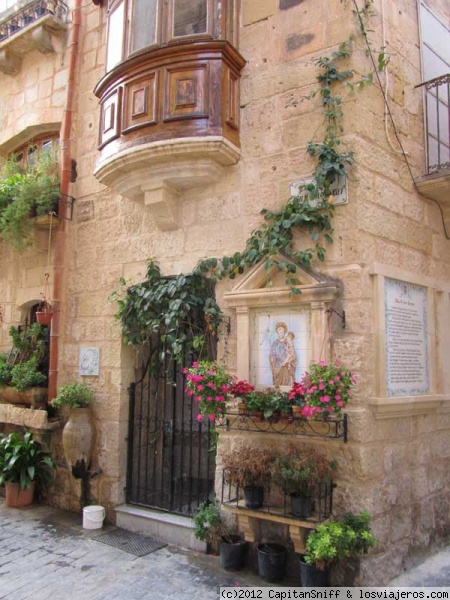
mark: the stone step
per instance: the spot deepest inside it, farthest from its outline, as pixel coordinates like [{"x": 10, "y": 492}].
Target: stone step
[{"x": 173, "y": 529}]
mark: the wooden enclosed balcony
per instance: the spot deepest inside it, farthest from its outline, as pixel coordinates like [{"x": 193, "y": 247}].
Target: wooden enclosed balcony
[{"x": 169, "y": 121}]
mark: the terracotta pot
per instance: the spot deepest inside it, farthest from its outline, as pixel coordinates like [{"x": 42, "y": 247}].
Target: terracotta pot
[
  {"x": 19, "y": 498},
  {"x": 297, "y": 411},
  {"x": 44, "y": 317},
  {"x": 78, "y": 436}
]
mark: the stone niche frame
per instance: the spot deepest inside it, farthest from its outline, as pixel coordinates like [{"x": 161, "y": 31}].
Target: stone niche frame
[
  {"x": 264, "y": 288},
  {"x": 437, "y": 342}
]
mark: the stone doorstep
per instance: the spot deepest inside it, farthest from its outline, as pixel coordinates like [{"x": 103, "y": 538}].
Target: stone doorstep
[{"x": 173, "y": 529}]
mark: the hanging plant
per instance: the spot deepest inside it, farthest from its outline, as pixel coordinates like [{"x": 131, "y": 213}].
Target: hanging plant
[{"x": 26, "y": 192}]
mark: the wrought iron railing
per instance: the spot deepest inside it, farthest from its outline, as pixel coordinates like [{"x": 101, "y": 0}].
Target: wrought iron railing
[
  {"x": 322, "y": 428},
  {"x": 437, "y": 123},
  {"x": 277, "y": 502},
  {"x": 26, "y": 15}
]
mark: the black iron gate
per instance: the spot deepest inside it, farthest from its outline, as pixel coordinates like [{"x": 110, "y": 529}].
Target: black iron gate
[{"x": 170, "y": 463}]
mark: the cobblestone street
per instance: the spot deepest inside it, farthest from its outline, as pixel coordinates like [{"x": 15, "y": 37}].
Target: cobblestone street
[{"x": 46, "y": 553}]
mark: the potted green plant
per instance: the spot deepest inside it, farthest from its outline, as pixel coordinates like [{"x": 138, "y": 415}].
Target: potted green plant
[
  {"x": 23, "y": 465},
  {"x": 78, "y": 434},
  {"x": 303, "y": 472},
  {"x": 248, "y": 468},
  {"x": 210, "y": 527},
  {"x": 340, "y": 539},
  {"x": 23, "y": 372}
]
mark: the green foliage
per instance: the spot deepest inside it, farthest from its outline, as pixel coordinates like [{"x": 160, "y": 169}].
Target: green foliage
[
  {"x": 23, "y": 461},
  {"x": 27, "y": 364},
  {"x": 5, "y": 373},
  {"x": 209, "y": 525},
  {"x": 340, "y": 539},
  {"x": 310, "y": 211},
  {"x": 74, "y": 395},
  {"x": 26, "y": 375},
  {"x": 30, "y": 341},
  {"x": 269, "y": 401},
  {"x": 25, "y": 193},
  {"x": 181, "y": 310}
]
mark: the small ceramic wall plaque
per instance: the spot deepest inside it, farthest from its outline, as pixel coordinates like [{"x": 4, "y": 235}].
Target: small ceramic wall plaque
[{"x": 89, "y": 361}]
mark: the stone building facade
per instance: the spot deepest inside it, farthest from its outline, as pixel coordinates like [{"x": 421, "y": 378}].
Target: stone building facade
[{"x": 178, "y": 147}]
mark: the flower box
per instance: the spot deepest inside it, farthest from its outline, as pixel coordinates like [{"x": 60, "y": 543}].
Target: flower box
[{"x": 35, "y": 396}]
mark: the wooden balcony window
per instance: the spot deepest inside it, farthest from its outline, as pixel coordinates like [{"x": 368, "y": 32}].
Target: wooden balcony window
[{"x": 169, "y": 99}]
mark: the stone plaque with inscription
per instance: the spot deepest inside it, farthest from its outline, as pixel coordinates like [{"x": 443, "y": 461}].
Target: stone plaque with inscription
[{"x": 406, "y": 315}]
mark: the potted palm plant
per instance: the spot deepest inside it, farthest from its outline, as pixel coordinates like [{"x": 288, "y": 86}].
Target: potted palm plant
[
  {"x": 340, "y": 539},
  {"x": 210, "y": 527},
  {"x": 248, "y": 468},
  {"x": 23, "y": 465},
  {"x": 302, "y": 472}
]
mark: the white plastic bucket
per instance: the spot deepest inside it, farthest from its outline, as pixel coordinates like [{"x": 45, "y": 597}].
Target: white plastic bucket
[{"x": 93, "y": 517}]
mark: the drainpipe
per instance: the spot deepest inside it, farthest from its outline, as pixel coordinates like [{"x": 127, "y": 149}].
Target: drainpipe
[{"x": 66, "y": 169}]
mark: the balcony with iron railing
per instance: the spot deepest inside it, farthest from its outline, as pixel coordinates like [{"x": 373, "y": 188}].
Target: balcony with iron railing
[
  {"x": 435, "y": 183},
  {"x": 31, "y": 26}
]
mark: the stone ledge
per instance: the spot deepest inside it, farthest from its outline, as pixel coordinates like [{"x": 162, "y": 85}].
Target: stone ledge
[
  {"x": 407, "y": 406},
  {"x": 157, "y": 173},
  {"x": 27, "y": 417}
]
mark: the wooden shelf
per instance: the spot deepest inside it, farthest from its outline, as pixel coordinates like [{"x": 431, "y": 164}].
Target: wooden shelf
[{"x": 247, "y": 522}]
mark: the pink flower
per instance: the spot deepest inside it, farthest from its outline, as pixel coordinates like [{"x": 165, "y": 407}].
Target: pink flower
[
  {"x": 209, "y": 398},
  {"x": 197, "y": 398},
  {"x": 224, "y": 388},
  {"x": 337, "y": 378},
  {"x": 211, "y": 417},
  {"x": 340, "y": 403},
  {"x": 199, "y": 417},
  {"x": 321, "y": 386},
  {"x": 331, "y": 382},
  {"x": 185, "y": 370},
  {"x": 337, "y": 397},
  {"x": 199, "y": 388},
  {"x": 195, "y": 365},
  {"x": 220, "y": 398}
]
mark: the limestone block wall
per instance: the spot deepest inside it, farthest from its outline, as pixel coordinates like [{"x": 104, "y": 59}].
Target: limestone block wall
[{"x": 395, "y": 466}]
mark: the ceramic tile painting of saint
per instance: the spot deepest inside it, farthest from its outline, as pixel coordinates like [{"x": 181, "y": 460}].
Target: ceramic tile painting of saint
[
  {"x": 283, "y": 358},
  {"x": 279, "y": 348}
]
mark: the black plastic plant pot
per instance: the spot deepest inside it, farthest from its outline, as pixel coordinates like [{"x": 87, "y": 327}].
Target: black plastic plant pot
[
  {"x": 311, "y": 576},
  {"x": 254, "y": 496},
  {"x": 272, "y": 559},
  {"x": 233, "y": 551},
  {"x": 301, "y": 506}
]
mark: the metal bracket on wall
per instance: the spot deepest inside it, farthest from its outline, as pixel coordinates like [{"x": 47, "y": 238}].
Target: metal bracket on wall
[{"x": 67, "y": 201}]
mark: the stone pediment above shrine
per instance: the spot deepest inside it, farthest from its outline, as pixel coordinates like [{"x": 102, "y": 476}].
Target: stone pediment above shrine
[
  {"x": 265, "y": 285},
  {"x": 268, "y": 309}
]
